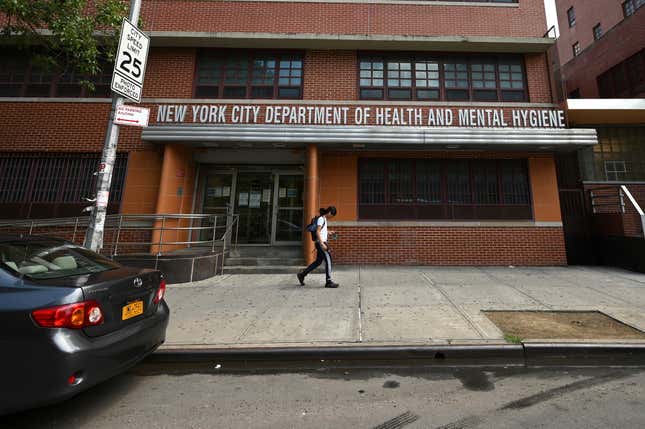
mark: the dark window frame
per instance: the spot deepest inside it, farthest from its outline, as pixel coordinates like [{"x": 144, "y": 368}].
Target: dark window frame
[
  {"x": 576, "y": 49},
  {"x": 469, "y": 202},
  {"x": 28, "y": 88},
  {"x": 571, "y": 16},
  {"x": 443, "y": 92},
  {"x": 250, "y": 55},
  {"x": 597, "y": 32},
  {"x": 631, "y": 6}
]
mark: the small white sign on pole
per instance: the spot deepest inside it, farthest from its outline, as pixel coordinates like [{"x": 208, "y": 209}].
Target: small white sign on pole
[
  {"x": 130, "y": 63},
  {"x": 132, "y": 115}
]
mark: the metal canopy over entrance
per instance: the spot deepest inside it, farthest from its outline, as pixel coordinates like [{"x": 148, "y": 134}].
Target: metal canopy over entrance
[
  {"x": 374, "y": 137},
  {"x": 269, "y": 201}
]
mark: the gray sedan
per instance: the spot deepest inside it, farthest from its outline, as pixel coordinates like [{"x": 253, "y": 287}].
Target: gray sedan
[{"x": 71, "y": 318}]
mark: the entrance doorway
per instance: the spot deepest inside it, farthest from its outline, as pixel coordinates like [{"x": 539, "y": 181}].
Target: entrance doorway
[{"x": 270, "y": 203}]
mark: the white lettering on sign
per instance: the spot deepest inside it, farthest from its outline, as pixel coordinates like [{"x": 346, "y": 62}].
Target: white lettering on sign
[{"x": 360, "y": 115}]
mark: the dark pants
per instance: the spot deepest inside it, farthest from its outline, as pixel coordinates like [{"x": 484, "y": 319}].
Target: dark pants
[{"x": 322, "y": 256}]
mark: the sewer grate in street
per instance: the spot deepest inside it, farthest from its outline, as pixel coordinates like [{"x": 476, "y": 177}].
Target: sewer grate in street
[
  {"x": 398, "y": 421},
  {"x": 583, "y": 325}
]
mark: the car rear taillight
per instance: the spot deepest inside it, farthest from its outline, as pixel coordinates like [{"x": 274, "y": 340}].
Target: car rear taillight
[
  {"x": 75, "y": 316},
  {"x": 160, "y": 292}
]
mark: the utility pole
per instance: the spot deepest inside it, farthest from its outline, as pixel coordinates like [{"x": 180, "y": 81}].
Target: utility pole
[{"x": 94, "y": 233}]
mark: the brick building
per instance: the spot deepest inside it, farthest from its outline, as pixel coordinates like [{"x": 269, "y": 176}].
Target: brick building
[
  {"x": 428, "y": 124},
  {"x": 601, "y": 50}
]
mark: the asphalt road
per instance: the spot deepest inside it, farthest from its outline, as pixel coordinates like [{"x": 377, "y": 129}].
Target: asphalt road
[{"x": 353, "y": 398}]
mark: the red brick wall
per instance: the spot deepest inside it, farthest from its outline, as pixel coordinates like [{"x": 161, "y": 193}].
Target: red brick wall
[
  {"x": 169, "y": 73},
  {"x": 588, "y": 13},
  {"x": 537, "y": 75},
  {"x": 620, "y": 43},
  {"x": 433, "y": 245},
  {"x": 525, "y": 19},
  {"x": 629, "y": 224},
  {"x": 330, "y": 75},
  {"x": 70, "y": 127}
]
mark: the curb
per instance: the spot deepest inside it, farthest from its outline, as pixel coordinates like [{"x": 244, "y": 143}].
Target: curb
[
  {"x": 507, "y": 355},
  {"x": 584, "y": 354},
  {"x": 364, "y": 356}
]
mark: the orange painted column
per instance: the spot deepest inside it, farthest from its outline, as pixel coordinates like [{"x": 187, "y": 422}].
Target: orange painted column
[
  {"x": 311, "y": 198},
  {"x": 176, "y": 187},
  {"x": 544, "y": 189}
]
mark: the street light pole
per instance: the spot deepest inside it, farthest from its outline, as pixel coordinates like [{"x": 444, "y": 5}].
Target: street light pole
[{"x": 94, "y": 233}]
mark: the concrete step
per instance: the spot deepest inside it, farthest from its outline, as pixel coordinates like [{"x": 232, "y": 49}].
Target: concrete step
[{"x": 251, "y": 261}]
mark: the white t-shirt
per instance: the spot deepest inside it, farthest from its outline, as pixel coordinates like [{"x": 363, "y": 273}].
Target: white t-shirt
[{"x": 322, "y": 222}]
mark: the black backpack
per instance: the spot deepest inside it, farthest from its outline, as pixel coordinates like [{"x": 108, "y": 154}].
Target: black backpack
[{"x": 312, "y": 227}]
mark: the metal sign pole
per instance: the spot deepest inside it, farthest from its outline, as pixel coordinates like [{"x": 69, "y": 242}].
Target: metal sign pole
[{"x": 94, "y": 233}]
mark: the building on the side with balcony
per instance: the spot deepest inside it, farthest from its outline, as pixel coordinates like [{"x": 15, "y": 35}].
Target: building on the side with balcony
[
  {"x": 601, "y": 74},
  {"x": 430, "y": 125}
]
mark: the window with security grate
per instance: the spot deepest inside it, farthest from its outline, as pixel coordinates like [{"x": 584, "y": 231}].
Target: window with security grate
[{"x": 43, "y": 185}]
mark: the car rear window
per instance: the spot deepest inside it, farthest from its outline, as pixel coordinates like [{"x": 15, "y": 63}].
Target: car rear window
[{"x": 51, "y": 259}]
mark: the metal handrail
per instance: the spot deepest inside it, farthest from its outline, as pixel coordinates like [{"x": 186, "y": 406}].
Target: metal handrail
[
  {"x": 639, "y": 210},
  {"x": 222, "y": 235},
  {"x": 616, "y": 199}
]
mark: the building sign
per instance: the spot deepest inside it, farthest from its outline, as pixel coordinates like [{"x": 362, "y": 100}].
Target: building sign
[{"x": 360, "y": 115}]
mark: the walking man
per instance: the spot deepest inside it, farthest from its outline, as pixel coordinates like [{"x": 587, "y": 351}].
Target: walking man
[{"x": 322, "y": 248}]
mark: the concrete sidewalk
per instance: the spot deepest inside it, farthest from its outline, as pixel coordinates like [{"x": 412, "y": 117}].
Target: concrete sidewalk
[{"x": 394, "y": 306}]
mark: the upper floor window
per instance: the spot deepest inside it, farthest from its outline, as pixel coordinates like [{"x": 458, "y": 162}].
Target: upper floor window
[
  {"x": 249, "y": 74},
  {"x": 20, "y": 77},
  {"x": 576, "y": 49},
  {"x": 452, "y": 78},
  {"x": 571, "y": 16},
  {"x": 597, "y": 31},
  {"x": 630, "y": 6},
  {"x": 624, "y": 80}
]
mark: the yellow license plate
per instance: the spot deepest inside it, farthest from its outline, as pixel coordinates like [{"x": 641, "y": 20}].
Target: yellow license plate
[{"x": 131, "y": 310}]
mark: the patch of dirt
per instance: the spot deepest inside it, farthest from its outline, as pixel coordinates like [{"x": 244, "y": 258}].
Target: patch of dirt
[{"x": 562, "y": 325}]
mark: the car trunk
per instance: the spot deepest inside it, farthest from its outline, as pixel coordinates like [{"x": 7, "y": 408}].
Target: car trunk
[{"x": 125, "y": 295}]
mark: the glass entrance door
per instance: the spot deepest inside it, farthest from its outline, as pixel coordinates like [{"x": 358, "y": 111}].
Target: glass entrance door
[
  {"x": 254, "y": 204},
  {"x": 218, "y": 200},
  {"x": 289, "y": 208}
]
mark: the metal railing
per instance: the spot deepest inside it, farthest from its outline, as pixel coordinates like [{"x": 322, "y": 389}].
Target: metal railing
[
  {"x": 158, "y": 234},
  {"x": 607, "y": 199},
  {"x": 611, "y": 199}
]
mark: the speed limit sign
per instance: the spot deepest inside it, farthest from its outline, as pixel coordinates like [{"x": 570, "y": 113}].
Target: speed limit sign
[{"x": 130, "y": 63}]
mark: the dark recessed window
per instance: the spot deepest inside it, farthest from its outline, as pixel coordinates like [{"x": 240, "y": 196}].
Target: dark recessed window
[
  {"x": 249, "y": 74},
  {"x": 624, "y": 80},
  {"x": 597, "y": 31},
  {"x": 452, "y": 78},
  {"x": 576, "y": 49},
  {"x": 443, "y": 189},
  {"x": 21, "y": 78},
  {"x": 571, "y": 16},
  {"x": 630, "y": 6},
  {"x": 49, "y": 184},
  {"x": 575, "y": 93}
]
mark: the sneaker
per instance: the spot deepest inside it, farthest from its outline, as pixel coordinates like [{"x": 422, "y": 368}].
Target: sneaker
[
  {"x": 301, "y": 278},
  {"x": 331, "y": 284}
]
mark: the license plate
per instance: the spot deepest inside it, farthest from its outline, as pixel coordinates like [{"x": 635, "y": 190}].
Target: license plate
[{"x": 131, "y": 310}]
